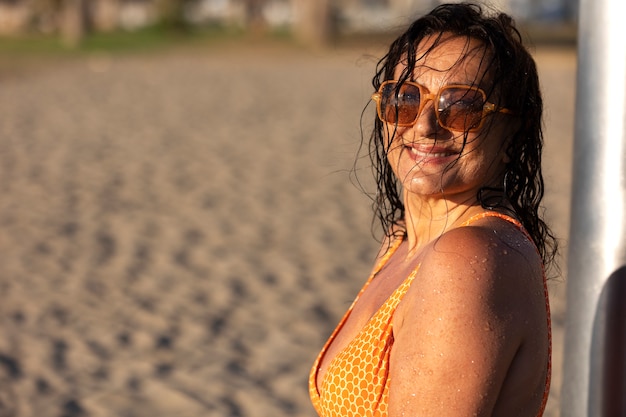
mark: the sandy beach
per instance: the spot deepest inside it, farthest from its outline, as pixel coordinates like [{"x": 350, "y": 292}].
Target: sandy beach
[{"x": 179, "y": 232}]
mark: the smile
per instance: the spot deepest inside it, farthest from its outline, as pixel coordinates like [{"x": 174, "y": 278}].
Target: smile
[{"x": 431, "y": 153}]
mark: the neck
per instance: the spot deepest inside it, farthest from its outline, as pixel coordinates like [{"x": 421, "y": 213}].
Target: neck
[{"x": 427, "y": 219}]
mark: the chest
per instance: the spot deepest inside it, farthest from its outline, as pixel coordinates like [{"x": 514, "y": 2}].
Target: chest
[{"x": 375, "y": 296}]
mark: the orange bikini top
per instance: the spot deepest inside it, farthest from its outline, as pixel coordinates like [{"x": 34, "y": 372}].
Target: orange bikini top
[{"x": 356, "y": 383}]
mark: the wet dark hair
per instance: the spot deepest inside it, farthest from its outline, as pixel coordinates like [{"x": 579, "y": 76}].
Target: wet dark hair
[{"x": 513, "y": 75}]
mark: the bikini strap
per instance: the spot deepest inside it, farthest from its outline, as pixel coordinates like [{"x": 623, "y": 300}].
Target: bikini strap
[
  {"x": 504, "y": 217},
  {"x": 494, "y": 214}
]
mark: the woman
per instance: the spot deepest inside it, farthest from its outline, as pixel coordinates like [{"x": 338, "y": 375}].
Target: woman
[{"x": 454, "y": 319}]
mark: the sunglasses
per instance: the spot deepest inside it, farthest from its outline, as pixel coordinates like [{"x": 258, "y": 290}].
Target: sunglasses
[{"x": 457, "y": 107}]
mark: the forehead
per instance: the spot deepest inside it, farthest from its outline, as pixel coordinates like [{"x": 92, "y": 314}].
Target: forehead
[{"x": 449, "y": 59}]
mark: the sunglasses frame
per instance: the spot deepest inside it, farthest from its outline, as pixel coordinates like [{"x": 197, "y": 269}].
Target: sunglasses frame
[{"x": 426, "y": 95}]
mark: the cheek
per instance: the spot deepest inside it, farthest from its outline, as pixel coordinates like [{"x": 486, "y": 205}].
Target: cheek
[
  {"x": 394, "y": 134},
  {"x": 392, "y": 138},
  {"x": 485, "y": 159},
  {"x": 393, "y": 152},
  {"x": 489, "y": 145}
]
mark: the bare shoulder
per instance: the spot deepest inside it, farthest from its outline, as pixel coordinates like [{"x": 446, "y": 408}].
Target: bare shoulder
[
  {"x": 485, "y": 253},
  {"x": 466, "y": 332},
  {"x": 489, "y": 269}
]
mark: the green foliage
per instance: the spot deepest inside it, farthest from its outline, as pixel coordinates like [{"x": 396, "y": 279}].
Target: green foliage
[{"x": 147, "y": 39}]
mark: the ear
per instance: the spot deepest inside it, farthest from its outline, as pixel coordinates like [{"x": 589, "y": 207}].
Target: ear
[
  {"x": 505, "y": 156},
  {"x": 509, "y": 138}
]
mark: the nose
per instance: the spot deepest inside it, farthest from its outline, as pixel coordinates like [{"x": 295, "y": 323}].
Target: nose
[{"x": 427, "y": 124}]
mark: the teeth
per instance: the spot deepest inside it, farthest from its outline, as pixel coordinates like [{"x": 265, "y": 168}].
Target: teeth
[{"x": 430, "y": 154}]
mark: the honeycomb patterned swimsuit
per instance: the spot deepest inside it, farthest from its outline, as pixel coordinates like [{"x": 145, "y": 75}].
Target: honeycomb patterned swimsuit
[{"x": 356, "y": 383}]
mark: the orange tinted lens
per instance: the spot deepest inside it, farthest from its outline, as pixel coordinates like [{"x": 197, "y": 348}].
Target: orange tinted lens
[
  {"x": 399, "y": 105},
  {"x": 460, "y": 108}
]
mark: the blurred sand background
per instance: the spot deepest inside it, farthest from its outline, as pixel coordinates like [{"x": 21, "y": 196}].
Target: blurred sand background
[{"x": 179, "y": 233}]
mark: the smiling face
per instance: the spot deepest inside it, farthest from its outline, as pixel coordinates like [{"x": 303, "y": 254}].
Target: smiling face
[{"x": 429, "y": 159}]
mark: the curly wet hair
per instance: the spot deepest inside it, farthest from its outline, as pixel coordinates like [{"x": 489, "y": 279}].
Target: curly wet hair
[{"x": 514, "y": 77}]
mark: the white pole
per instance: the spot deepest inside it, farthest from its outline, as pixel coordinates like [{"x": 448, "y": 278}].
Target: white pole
[{"x": 594, "y": 371}]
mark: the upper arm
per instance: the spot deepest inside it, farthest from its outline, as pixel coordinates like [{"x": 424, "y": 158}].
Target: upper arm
[{"x": 456, "y": 331}]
